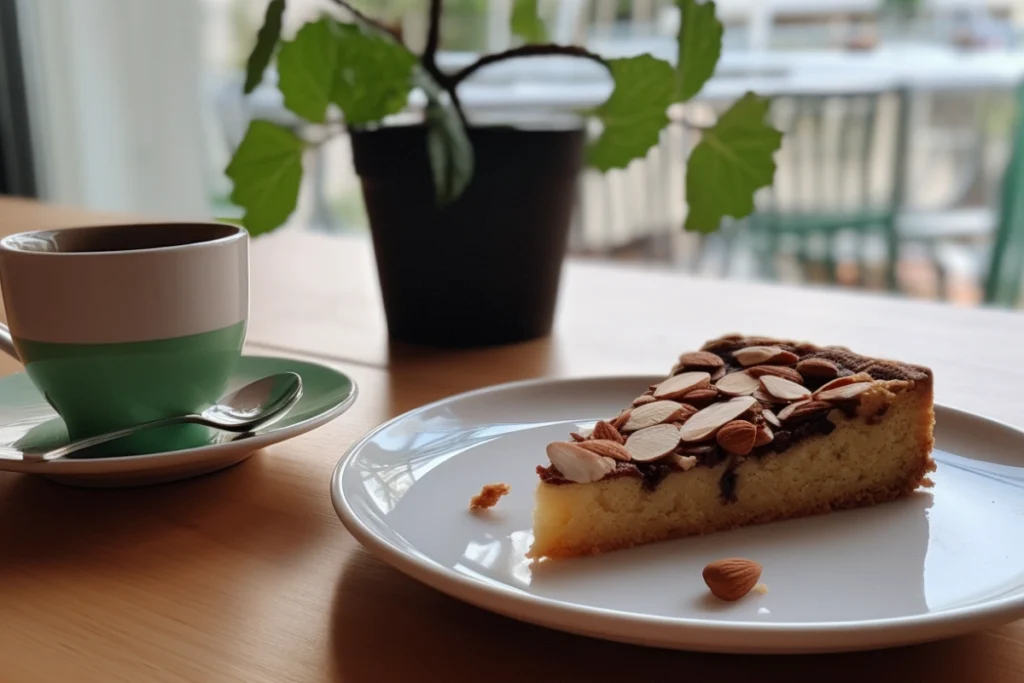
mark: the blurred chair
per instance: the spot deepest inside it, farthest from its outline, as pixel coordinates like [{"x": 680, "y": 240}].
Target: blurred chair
[
  {"x": 839, "y": 184},
  {"x": 1006, "y": 265}
]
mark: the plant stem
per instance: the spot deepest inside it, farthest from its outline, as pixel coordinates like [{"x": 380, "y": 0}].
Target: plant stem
[
  {"x": 433, "y": 38},
  {"x": 522, "y": 51},
  {"x": 367, "y": 20}
]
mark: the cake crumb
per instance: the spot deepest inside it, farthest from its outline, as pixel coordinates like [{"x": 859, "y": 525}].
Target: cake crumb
[
  {"x": 488, "y": 496},
  {"x": 760, "y": 589}
]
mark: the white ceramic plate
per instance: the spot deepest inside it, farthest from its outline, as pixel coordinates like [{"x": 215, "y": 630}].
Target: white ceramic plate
[
  {"x": 934, "y": 565},
  {"x": 28, "y": 424}
]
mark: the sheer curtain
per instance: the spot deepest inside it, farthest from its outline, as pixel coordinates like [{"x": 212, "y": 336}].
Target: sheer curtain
[{"x": 115, "y": 101}]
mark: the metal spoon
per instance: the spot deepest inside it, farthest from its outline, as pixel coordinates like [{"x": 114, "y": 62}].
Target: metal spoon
[{"x": 255, "y": 405}]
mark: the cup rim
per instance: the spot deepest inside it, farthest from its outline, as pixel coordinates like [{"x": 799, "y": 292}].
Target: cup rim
[{"x": 235, "y": 232}]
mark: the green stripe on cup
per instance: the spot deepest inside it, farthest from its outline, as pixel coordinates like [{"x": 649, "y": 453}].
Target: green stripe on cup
[{"x": 101, "y": 387}]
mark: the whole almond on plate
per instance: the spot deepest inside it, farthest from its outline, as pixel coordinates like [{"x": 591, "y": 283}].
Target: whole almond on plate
[
  {"x": 777, "y": 370},
  {"x": 847, "y": 392},
  {"x": 731, "y": 578},
  {"x": 607, "y": 448},
  {"x": 817, "y": 369},
  {"x": 701, "y": 397},
  {"x": 652, "y": 443},
  {"x": 843, "y": 381},
  {"x": 706, "y": 422},
  {"x": 577, "y": 464},
  {"x": 681, "y": 384},
  {"x": 759, "y": 355},
  {"x": 649, "y": 415},
  {"x": 737, "y": 384},
  {"x": 783, "y": 389},
  {"x": 700, "y": 360},
  {"x": 737, "y": 437},
  {"x": 603, "y": 430}
]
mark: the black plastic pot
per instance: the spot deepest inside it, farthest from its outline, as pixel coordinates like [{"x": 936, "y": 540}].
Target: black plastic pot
[{"x": 485, "y": 269}]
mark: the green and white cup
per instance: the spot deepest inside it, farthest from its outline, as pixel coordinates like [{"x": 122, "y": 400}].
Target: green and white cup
[{"x": 119, "y": 325}]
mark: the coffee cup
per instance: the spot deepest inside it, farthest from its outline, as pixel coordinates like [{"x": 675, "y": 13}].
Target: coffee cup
[{"x": 122, "y": 324}]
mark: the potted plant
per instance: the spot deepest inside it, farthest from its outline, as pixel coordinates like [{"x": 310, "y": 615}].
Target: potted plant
[{"x": 470, "y": 223}]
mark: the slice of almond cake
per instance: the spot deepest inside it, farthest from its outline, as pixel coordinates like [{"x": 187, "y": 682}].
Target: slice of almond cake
[{"x": 745, "y": 431}]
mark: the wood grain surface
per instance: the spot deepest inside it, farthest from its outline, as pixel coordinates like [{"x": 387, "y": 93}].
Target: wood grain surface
[{"x": 247, "y": 574}]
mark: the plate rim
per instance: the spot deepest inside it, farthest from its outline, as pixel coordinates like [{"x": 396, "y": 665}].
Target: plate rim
[
  {"x": 553, "y": 613},
  {"x": 146, "y": 461}
]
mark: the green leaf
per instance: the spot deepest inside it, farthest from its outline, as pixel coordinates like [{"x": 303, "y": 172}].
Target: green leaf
[
  {"x": 306, "y": 69},
  {"x": 635, "y": 113},
  {"x": 526, "y": 22},
  {"x": 372, "y": 76},
  {"x": 266, "y": 41},
  {"x": 732, "y": 160},
  {"x": 266, "y": 171},
  {"x": 700, "y": 46},
  {"x": 448, "y": 146}
]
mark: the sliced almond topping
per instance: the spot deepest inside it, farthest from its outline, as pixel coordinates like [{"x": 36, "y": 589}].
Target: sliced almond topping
[
  {"x": 619, "y": 420},
  {"x": 718, "y": 374},
  {"x": 577, "y": 464},
  {"x": 737, "y": 437},
  {"x": 649, "y": 415},
  {"x": 789, "y": 410},
  {"x": 843, "y": 381},
  {"x": 764, "y": 435},
  {"x": 844, "y": 393},
  {"x": 680, "y": 385},
  {"x": 697, "y": 450},
  {"x": 777, "y": 370},
  {"x": 608, "y": 448},
  {"x": 684, "y": 413},
  {"x": 764, "y": 398},
  {"x": 737, "y": 384},
  {"x": 759, "y": 355},
  {"x": 817, "y": 369},
  {"x": 784, "y": 389},
  {"x": 706, "y": 422},
  {"x": 640, "y": 400},
  {"x": 700, "y": 360},
  {"x": 701, "y": 397},
  {"x": 770, "y": 418},
  {"x": 652, "y": 443},
  {"x": 684, "y": 462},
  {"x": 755, "y": 355},
  {"x": 803, "y": 411},
  {"x": 603, "y": 430}
]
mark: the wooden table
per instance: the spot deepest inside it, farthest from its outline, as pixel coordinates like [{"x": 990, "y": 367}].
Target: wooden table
[{"x": 247, "y": 575}]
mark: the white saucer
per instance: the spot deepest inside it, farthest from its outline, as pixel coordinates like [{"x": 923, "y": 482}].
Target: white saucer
[
  {"x": 28, "y": 423},
  {"x": 937, "y": 564}
]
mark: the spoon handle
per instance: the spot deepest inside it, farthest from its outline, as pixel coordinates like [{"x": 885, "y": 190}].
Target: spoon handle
[{"x": 88, "y": 442}]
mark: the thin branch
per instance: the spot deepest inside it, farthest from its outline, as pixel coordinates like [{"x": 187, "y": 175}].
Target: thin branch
[
  {"x": 523, "y": 51},
  {"x": 433, "y": 36},
  {"x": 367, "y": 20}
]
